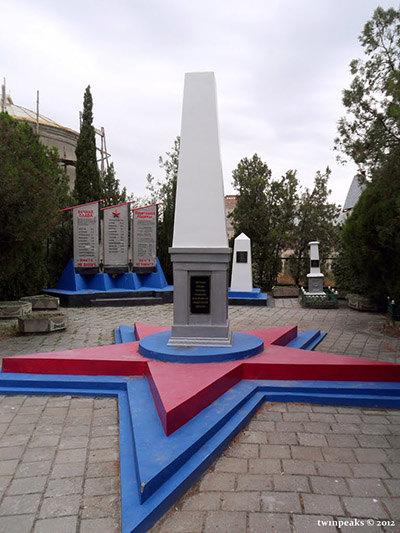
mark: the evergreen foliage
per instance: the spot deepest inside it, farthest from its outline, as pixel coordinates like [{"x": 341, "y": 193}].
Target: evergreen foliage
[
  {"x": 265, "y": 212},
  {"x": 164, "y": 193},
  {"x": 32, "y": 189},
  {"x": 369, "y": 257},
  {"x": 88, "y": 187},
  {"x": 315, "y": 221},
  {"x": 111, "y": 193},
  {"x": 371, "y": 129},
  {"x": 369, "y": 260}
]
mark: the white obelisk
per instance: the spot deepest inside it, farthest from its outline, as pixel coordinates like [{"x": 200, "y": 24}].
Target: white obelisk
[
  {"x": 242, "y": 277},
  {"x": 315, "y": 277},
  {"x": 200, "y": 252}
]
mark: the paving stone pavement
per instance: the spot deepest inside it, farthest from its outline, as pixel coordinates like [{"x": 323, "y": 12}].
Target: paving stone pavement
[{"x": 295, "y": 468}]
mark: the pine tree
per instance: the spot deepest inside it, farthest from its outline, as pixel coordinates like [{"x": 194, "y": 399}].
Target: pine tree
[
  {"x": 111, "y": 193},
  {"x": 87, "y": 182}
]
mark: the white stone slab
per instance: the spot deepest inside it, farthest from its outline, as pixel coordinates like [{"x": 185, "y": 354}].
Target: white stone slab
[
  {"x": 242, "y": 278},
  {"x": 200, "y": 208}
]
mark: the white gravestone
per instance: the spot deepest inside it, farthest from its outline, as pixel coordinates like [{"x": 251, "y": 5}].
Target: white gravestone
[
  {"x": 315, "y": 277},
  {"x": 242, "y": 278},
  {"x": 200, "y": 252}
]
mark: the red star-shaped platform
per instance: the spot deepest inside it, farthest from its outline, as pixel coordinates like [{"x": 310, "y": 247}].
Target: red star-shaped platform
[{"x": 181, "y": 391}]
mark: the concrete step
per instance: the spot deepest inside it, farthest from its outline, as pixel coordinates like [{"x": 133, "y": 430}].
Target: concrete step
[
  {"x": 307, "y": 340},
  {"x": 122, "y": 302},
  {"x": 124, "y": 334}
]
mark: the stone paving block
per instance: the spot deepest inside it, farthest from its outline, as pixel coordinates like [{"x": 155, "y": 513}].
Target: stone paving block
[
  {"x": 322, "y": 417},
  {"x": 352, "y": 429},
  {"x": 371, "y": 470},
  {"x": 203, "y": 501},
  {"x": 100, "y": 456},
  {"x": 254, "y": 482},
  {"x": 280, "y": 502},
  {"x": 35, "y": 468},
  {"x": 72, "y": 443},
  {"x": 64, "y": 487},
  {"x": 4, "y": 482},
  {"x": 348, "y": 418},
  {"x": 97, "y": 525},
  {"x": 268, "y": 523},
  {"x": 243, "y": 451},
  {"x": 219, "y": 481},
  {"x": 329, "y": 485},
  {"x": 393, "y": 485},
  {"x": 289, "y": 427},
  {"x": 364, "y": 507},
  {"x": 106, "y": 469},
  {"x": 104, "y": 506},
  {"x": 7, "y": 468},
  {"x": 98, "y": 443},
  {"x": 282, "y": 438},
  {"x": 41, "y": 441},
  {"x": 275, "y": 451},
  {"x": 307, "y": 452},
  {"x": 311, "y": 524},
  {"x": 296, "y": 417},
  {"x": 241, "y": 501},
  {"x": 66, "y": 470},
  {"x": 65, "y": 524},
  {"x": 264, "y": 466},
  {"x": 45, "y": 453},
  {"x": 101, "y": 485},
  {"x": 21, "y": 504},
  {"x": 8, "y": 441},
  {"x": 231, "y": 464},
  {"x": 322, "y": 503},
  {"x": 342, "y": 441},
  {"x": 60, "y": 506},
  {"x": 317, "y": 427},
  {"x": 337, "y": 455},
  {"x": 298, "y": 408},
  {"x": 48, "y": 429},
  {"x": 255, "y": 437},
  {"x": 376, "y": 429},
  {"x": 311, "y": 439},
  {"x": 76, "y": 431},
  {"x": 224, "y": 522},
  {"x": 290, "y": 483},
  {"x": 27, "y": 485},
  {"x": 74, "y": 456},
  {"x": 393, "y": 506},
  {"x": 17, "y": 524},
  {"x": 370, "y": 455},
  {"x": 297, "y": 466},
  {"x": 367, "y": 487}
]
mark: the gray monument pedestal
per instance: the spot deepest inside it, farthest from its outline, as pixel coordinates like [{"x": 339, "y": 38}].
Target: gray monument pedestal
[{"x": 200, "y": 297}]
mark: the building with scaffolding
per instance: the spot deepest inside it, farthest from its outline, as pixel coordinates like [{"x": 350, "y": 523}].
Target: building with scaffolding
[{"x": 55, "y": 135}]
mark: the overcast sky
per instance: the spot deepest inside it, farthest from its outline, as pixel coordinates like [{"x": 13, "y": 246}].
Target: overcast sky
[{"x": 280, "y": 65}]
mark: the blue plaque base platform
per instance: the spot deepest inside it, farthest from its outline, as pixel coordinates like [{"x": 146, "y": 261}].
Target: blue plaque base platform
[
  {"x": 243, "y": 346},
  {"x": 78, "y": 290}
]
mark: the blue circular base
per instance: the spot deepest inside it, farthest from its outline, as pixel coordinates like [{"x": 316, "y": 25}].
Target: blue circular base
[{"x": 243, "y": 346}]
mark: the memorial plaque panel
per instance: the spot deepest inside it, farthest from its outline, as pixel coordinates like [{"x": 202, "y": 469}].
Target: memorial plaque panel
[
  {"x": 116, "y": 228},
  {"x": 241, "y": 257},
  {"x": 86, "y": 236},
  {"x": 144, "y": 236},
  {"x": 314, "y": 263},
  {"x": 200, "y": 295}
]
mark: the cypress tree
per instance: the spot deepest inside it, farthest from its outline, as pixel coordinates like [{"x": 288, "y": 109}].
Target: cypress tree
[{"x": 87, "y": 182}]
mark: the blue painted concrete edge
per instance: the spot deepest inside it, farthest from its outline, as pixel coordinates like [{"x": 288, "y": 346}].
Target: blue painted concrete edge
[
  {"x": 243, "y": 346},
  {"x": 193, "y": 448}
]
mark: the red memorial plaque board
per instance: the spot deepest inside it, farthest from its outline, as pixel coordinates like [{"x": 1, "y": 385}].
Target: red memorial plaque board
[{"x": 144, "y": 236}]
